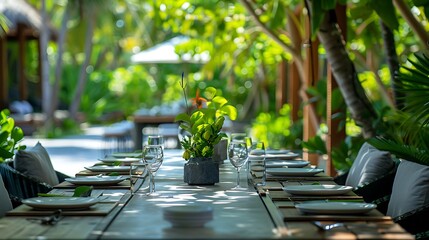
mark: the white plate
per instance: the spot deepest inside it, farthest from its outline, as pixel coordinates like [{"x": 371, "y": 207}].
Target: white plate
[
  {"x": 49, "y": 203},
  {"x": 320, "y": 190},
  {"x": 188, "y": 216},
  {"x": 126, "y": 160},
  {"x": 276, "y": 151},
  {"x": 319, "y": 207},
  {"x": 103, "y": 168},
  {"x": 296, "y": 172},
  {"x": 96, "y": 180},
  {"x": 127, "y": 155},
  {"x": 286, "y": 163},
  {"x": 287, "y": 156}
]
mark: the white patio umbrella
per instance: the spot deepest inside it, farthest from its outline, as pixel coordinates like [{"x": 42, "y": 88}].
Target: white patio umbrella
[{"x": 165, "y": 53}]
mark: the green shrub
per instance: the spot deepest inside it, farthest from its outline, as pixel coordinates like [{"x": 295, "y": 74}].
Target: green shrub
[{"x": 277, "y": 130}]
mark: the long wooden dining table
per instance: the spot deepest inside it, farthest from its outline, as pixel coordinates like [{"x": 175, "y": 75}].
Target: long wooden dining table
[{"x": 254, "y": 213}]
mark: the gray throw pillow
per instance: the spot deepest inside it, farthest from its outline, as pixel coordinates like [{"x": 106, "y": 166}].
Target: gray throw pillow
[
  {"x": 410, "y": 188},
  {"x": 369, "y": 165},
  {"x": 35, "y": 162},
  {"x": 5, "y": 203}
]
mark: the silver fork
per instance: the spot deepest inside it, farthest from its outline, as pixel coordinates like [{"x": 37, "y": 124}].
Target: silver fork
[
  {"x": 48, "y": 220},
  {"x": 327, "y": 227}
]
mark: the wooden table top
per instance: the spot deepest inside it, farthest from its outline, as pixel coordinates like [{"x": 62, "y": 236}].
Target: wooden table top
[{"x": 262, "y": 214}]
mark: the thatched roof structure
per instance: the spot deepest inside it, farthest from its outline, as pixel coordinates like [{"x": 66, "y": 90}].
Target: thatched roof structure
[
  {"x": 25, "y": 24},
  {"x": 19, "y": 12}
]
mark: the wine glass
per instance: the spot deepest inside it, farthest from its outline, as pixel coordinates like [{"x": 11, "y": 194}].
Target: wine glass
[
  {"x": 238, "y": 155},
  {"x": 238, "y": 136},
  {"x": 256, "y": 169},
  {"x": 248, "y": 141},
  {"x": 155, "y": 140},
  {"x": 153, "y": 155},
  {"x": 139, "y": 171}
]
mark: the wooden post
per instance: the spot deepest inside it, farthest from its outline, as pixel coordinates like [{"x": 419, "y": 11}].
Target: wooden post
[
  {"x": 336, "y": 135},
  {"x": 281, "y": 85},
  {"x": 39, "y": 93},
  {"x": 294, "y": 86},
  {"x": 22, "y": 81},
  {"x": 293, "y": 91},
  {"x": 311, "y": 77},
  {"x": 4, "y": 79}
]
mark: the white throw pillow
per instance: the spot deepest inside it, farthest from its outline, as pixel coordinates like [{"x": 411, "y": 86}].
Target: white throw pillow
[
  {"x": 410, "y": 188},
  {"x": 5, "y": 203},
  {"x": 36, "y": 162},
  {"x": 369, "y": 165}
]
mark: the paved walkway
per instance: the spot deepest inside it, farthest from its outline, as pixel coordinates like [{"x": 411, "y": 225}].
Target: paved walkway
[{"x": 71, "y": 154}]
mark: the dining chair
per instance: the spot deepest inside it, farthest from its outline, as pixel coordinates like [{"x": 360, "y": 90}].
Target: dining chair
[
  {"x": 29, "y": 173},
  {"x": 21, "y": 186},
  {"x": 5, "y": 202},
  {"x": 371, "y": 175},
  {"x": 409, "y": 202}
]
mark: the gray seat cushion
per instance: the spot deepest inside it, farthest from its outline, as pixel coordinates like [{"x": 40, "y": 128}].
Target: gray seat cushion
[
  {"x": 36, "y": 162},
  {"x": 369, "y": 165},
  {"x": 410, "y": 189},
  {"x": 5, "y": 203}
]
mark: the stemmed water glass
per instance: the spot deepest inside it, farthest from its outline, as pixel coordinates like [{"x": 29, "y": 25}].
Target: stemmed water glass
[
  {"x": 153, "y": 155},
  {"x": 256, "y": 168},
  {"x": 238, "y": 156},
  {"x": 139, "y": 171},
  {"x": 155, "y": 140},
  {"x": 238, "y": 136}
]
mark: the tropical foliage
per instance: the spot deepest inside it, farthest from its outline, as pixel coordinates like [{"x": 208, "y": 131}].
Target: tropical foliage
[
  {"x": 3, "y": 25},
  {"x": 406, "y": 131},
  {"x": 277, "y": 130},
  {"x": 10, "y": 136},
  {"x": 246, "y": 41}
]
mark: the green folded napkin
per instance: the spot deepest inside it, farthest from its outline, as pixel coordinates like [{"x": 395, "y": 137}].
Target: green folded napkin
[{"x": 81, "y": 191}]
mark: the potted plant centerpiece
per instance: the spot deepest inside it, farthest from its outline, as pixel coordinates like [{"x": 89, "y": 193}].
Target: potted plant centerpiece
[{"x": 203, "y": 123}]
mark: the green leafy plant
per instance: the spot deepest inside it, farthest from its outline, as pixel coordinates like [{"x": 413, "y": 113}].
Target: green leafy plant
[
  {"x": 407, "y": 129},
  {"x": 10, "y": 136},
  {"x": 277, "y": 130},
  {"x": 204, "y": 123}
]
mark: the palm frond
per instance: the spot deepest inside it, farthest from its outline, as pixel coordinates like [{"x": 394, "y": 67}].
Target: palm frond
[
  {"x": 408, "y": 152},
  {"x": 414, "y": 83},
  {"x": 422, "y": 63}
]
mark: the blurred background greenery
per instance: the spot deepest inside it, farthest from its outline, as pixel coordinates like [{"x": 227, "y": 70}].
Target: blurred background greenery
[{"x": 244, "y": 61}]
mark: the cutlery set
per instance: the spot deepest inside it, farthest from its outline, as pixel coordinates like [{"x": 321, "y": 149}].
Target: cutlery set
[
  {"x": 48, "y": 220},
  {"x": 327, "y": 227}
]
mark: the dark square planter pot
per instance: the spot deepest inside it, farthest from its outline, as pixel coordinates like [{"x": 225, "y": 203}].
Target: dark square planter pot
[{"x": 201, "y": 171}]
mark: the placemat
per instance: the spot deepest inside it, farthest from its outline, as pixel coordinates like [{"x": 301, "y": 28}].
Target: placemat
[
  {"x": 99, "y": 209},
  {"x": 292, "y": 214},
  {"x": 122, "y": 185}
]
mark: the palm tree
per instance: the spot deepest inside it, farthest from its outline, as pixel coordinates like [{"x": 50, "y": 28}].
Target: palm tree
[
  {"x": 59, "y": 61},
  {"x": 346, "y": 75},
  {"x": 91, "y": 9}
]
